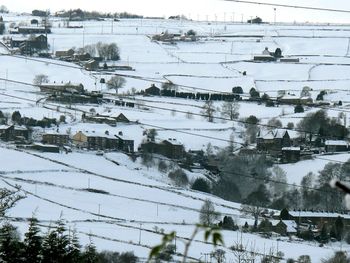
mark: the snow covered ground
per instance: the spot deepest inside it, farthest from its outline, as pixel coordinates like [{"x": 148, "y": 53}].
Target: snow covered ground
[{"x": 133, "y": 203}]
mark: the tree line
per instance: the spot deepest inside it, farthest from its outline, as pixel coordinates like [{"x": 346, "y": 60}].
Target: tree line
[{"x": 57, "y": 245}]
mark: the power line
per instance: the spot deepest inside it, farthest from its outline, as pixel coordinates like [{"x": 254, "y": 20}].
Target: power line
[{"x": 291, "y": 6}]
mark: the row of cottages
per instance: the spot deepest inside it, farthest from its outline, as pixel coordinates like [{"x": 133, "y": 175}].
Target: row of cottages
[
  {"x": 29, "y": 30},
  {"x": 28, "y": 46},
  {"x": 294, "y": 100},
  {"x": 59, "y": 88},
  {"x": 121, "y": 118},
  {"x": 91, "y": 140},
  {"x": 103, "y": 141},
  {"x": 306, "y": 219},
  {"x": 170, "y": 148},
  {"x": 13, "y": 132}
]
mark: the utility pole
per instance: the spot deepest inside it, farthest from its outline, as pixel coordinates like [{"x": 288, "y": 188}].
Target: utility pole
[
  {"x": 7, "y": 75},
  {"x": 83, "y": 37},
  {"x": 140, "y": 234},
  {"x": 274, "y": 18}
]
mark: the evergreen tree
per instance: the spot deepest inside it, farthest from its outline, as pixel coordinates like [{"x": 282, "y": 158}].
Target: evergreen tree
[
  {"x": 90, "y": 254},
  {"x": 32, "y": 242},
  {"x": 11, "y": 248},
  {"x": 73, "y": 249},
  {"x": 324, "y": 236},
  {"x": 50, "y": 247},
  {"x": 55, "y": 244},
  {"x": 339, "y": 228},
  {"x": 63, "y": 239}
]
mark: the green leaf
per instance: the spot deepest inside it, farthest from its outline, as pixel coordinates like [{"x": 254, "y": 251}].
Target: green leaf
[
  {"x": 155, "y": 251},
  {"x": 207, "y": 234},
  {"x": 217, "y": 238}
]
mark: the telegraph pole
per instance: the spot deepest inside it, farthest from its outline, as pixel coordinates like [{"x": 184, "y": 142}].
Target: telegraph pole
[{"x": 140, "y": 234}]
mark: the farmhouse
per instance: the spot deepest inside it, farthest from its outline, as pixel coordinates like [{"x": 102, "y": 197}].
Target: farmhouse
[
  {"x": 12, "y": 132},
  {"x": 153, "y": 90},
  {"x": 169, "y": 148},
  {"x": 284, "y": 227},
  {"x": 28, "y": 46},
  {"x": 290, "y": 154},
  {"x": 64, "y": 53},
  {"x": 273, "y": 140},
  {"x": 91, "y": 65},
  {"x": 55, "y": 138},
  {"x": 336, "y": 146},
  {"x": 122, "y": 118},
  {"x": 125, "y": 144}
]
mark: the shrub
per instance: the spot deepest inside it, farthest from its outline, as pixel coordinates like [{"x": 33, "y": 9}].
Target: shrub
[
  {"x": 162, "y": 166},
  {"x": 179, "y": 177},
  {"x": 298, "y": 108},
  {"x": 201, "y": 185}
]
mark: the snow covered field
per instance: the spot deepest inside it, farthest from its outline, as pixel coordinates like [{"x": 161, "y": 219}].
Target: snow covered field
[{"x": 134, "y": 201}]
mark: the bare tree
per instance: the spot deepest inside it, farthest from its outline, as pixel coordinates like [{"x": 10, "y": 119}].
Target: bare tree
[
  {"x": 279, "y": 181},
  {"x": 40, "y": 79},
  {"x": 219, "y": 255},
  {"x": 274, "y": 123},
  {"x": 91, "y": 49},
  {"x": 8, "y": 199},
  {"x": 116, "y": 82},
  {"x": 207, "y": 214},
  {"x": 208, "y": 110},
  {"x": 254, "y": 211},
  {"x": 230, "y": 109}
]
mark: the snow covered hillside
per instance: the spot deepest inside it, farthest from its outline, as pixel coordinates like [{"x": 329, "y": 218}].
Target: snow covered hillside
[{"x": 124, "y": 204}]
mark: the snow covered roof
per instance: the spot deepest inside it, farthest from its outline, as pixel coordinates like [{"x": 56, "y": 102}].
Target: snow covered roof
[
  {"x": 172, "y": 141},
  {"x": 291, "y": 225},
  {"x": 20, "y": 128},
  {"x": 268, "y": 136},
  {"x": 54, "y": 133},
  {"x": 317, "y": 214},
  {"x": 278, "y": 135},
  {"x": 123, "y": 137},
  {"x": 4, "y": 127},
  {"x": 290, "y": 148},
  {"x": 336, "y": 142},
  {"x": 99, "y": 134}
]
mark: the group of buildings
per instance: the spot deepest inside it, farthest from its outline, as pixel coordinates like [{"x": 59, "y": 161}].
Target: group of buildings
[{"x": 278, "y": 143}]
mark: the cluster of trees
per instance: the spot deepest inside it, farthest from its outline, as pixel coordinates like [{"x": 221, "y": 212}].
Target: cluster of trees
[
  {"x": 83, "y": 14},
  {"x": 41, "y": 13},
  {"x": 229, "y": 110},
  {"x": 325, "y": 127},
  {"x": 103, "y": 50},
  {"x": 3, "y": 9},
  {"x": 56, "y": 245},
  {"x": 45, "y": 122}
]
